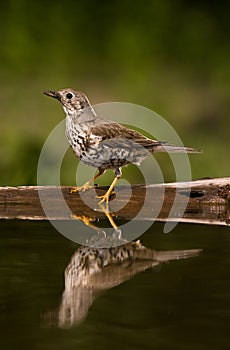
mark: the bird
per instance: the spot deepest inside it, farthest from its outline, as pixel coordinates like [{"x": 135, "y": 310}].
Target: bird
[
  {"x": 104, "y": 144},
  {"x": 93, "y": 270}
]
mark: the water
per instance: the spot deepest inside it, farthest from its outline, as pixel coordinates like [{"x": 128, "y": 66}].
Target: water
[{"x": 183, "y": 304}]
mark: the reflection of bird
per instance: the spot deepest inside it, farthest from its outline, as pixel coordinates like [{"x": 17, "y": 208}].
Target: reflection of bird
[
  {"x": 102, "y": 143},
  {"x": 93, "y": 270}
]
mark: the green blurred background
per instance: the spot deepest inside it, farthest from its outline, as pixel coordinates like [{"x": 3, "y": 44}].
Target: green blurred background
[{"x": 170, "y": 56}]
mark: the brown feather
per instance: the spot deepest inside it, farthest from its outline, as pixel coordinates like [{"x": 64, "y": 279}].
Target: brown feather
[
  {"x": 114, "y": 130},
  {"x": 117, "y": 132}
]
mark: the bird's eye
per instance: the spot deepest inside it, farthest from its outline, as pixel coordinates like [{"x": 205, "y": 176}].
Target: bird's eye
[{"x": 69, "y": 95}]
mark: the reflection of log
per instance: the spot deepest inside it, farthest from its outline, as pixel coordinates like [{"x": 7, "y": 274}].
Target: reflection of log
[
  {"x": 208, "y": 202},
  {"x": 92, "y": 271}
]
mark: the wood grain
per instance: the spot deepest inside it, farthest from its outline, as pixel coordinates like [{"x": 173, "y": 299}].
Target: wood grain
[{"x": 208, "y": 201}]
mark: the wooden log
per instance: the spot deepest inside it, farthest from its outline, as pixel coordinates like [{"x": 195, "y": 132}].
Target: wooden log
[{"x": 208, "y": 201}]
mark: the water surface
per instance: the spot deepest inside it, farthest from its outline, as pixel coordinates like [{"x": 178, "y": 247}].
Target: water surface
[{"x": 183, "y": 304}]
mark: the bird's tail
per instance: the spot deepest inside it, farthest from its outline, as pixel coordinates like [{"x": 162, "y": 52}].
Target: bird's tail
[
  {"x": 164, "y": 256},
  {"x": 166, "y": 147}
]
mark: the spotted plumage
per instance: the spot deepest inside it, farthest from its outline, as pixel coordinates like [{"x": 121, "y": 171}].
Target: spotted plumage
[
  {"x": 94, "y": 270},
  {"x": 101, "y": 143}
]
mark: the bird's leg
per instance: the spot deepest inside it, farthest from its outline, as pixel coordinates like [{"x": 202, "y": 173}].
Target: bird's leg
[
  {"x": 106, "y": 196},
  {"x": 86, "y": 185},
  {"x": 109, "y": 216},
  {"x": 87, "y": 220}
]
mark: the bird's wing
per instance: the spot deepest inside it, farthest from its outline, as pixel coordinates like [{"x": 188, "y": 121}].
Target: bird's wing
[{"x": 114, "y": 132}]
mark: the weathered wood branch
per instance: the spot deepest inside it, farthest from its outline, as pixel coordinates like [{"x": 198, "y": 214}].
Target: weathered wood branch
[{"x": 207, "y": 201}]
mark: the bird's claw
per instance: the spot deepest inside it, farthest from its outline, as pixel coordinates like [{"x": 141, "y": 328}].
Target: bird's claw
[
  {"x": 105, "y": 197},
  {"x": 74, "y": 190},
  {"x": 87, "y": 220},
  {"x": 82, "y": 188}
]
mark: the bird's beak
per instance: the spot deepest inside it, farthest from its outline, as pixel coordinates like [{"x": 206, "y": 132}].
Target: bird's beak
[{"x": 52, "y": 93}]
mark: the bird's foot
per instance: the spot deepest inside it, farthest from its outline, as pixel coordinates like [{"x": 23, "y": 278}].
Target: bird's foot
[
  {"x": 105, "y": 197},
  {"x": 87, "y": 220},
  {"x": 82, "y": 188},
  {"x": 74, "y": 190},
  {"x": 109, "y": 215}
]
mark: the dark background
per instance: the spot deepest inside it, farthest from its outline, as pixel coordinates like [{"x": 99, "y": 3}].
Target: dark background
[{"x": 170, "y": 56}]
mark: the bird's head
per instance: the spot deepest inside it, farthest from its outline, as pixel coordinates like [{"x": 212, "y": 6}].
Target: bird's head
[{"x": 72, "y": 101}]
